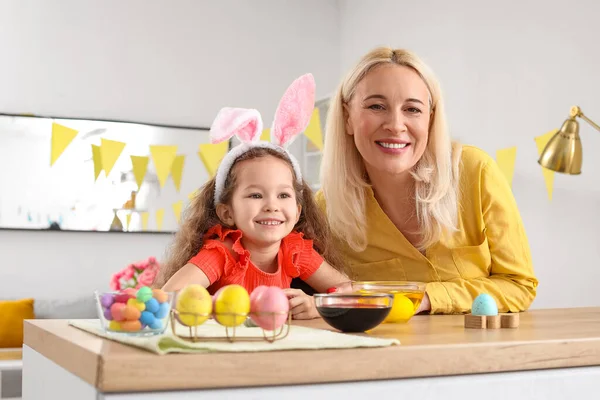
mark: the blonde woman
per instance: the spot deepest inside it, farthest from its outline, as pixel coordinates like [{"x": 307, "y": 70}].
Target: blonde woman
[{"x": 406, "y": 203}]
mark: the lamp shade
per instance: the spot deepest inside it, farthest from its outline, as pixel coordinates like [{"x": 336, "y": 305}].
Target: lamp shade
[{"x": 563, "y": 152}]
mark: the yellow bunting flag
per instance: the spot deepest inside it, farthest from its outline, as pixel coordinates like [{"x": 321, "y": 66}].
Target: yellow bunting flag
[
  {"x": 506, "y": 161},
  {"x": 145, "y": 217},
  {"x": 110, "y": 150},
  {"x": 61, "y": 138},
  {"x": 177, "y": 207},
  {"x": 97, "y": 158},
  {"x": 177, "y": 171},
  {"x": 541, "y": 142},
  {"x": 313, "y": 130},
  {"x": 266, "y": 135},
  {"x": 192, "y": 195},
  {"x": 128, "y": 219},
  {"x": 159, "y": 218},
  {"x": 163, "y": 157},
  {"x": 140, "y": 166},
  {"x": 212, "y": 154}
]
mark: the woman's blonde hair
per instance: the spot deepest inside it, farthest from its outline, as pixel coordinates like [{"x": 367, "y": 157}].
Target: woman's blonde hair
[{"x": 343, "y": 173}]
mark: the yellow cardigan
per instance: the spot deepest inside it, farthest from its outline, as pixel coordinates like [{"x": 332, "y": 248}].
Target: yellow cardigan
[{"x": 489, "y": 253}]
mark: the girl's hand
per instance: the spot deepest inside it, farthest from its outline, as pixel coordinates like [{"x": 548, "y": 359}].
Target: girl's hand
[
  {"x": 302, "y": 305},
  {"x": 425, "y": 304}
]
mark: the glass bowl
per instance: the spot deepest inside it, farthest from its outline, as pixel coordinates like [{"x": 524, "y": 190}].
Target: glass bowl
[
  {"x": 353, "y": 312},
  {"x": 121, "y": 313},
  {"x": 407, "y": 296}
]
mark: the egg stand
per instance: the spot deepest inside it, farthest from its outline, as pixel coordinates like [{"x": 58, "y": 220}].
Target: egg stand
[
  {"x": 231, "y": 336},
  {"x": 491, "y": 321}
]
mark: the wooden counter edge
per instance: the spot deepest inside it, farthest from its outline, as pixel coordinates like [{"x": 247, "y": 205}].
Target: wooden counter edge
[
  {"x": 76, "y": 359},
  {"x": 347, "y": 365}
]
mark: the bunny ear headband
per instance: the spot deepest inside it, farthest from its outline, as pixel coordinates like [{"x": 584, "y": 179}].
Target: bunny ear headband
[{"x": 291, "y": 118}]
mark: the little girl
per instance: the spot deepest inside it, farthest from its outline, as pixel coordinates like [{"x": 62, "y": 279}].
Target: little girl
[{"x": 256, "y": 223}]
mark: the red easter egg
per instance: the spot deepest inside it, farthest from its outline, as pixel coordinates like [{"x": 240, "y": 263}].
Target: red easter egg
[
  {"x": 117, "y": 310},
  {"x": 131, "y": 313},
  {"x": 131, "y": 326},
  {"x": 123, "y": 297}
]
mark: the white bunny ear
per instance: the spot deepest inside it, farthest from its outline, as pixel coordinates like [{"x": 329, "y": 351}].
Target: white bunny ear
[
  {"x": 245, "y": 123},
  {"x": 294, "y": 111}
]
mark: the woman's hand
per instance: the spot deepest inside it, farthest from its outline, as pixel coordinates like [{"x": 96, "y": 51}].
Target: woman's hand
[
  {"x": 425, "y": 304},
  {"x": 302, "y": 305}
]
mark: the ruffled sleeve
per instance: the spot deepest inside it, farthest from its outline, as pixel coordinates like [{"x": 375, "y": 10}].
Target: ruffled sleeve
[
  {"x": 215, "y": 241},
  {"x": 300, "y": 258}
]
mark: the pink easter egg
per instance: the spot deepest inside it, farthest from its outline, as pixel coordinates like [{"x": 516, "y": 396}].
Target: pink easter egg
[
  {"x": 116, "y": 311},
  {"x": 269, "y": 308},
  {"x": 130, "y": 291}
]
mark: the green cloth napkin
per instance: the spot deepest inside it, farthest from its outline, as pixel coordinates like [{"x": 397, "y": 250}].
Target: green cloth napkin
[{"x": 299, "y": 338}]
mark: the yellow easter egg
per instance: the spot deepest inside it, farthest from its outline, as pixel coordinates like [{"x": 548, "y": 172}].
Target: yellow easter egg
[
  {"x": 232, "y": 305},
  {"x": 137, "y": 304},
  {"x": 402, "y": 310},
  {"x": 114, "y": 326},
  {"x": 194, "y": 305}
]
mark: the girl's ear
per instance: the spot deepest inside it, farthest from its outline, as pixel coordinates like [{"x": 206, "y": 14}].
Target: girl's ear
[
  {"x": 347, "y": 125},
  {"x": 225, "y": 214},
  {"x": 294, "y": 111},
  {"x": 299, "y": 213}
]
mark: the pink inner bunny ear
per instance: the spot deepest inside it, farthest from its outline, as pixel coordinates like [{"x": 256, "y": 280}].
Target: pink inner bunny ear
[
  {"x": 294, "y": 110},
  {"x": 245, "y": 123}
]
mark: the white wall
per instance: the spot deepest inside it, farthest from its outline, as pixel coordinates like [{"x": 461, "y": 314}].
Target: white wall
[
  {"x": 162, "y": 62},
  {"x": 511, "y": 71}
]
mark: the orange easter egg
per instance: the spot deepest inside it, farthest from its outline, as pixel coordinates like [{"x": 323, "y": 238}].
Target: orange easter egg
[
  {"x": 131, "y": 326},
  {"x": 160, "y": 295},
  {"x": 131, "y": 313}
]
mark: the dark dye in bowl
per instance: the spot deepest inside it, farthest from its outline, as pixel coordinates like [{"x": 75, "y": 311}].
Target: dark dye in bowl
[{"x": 354, "y": 318}]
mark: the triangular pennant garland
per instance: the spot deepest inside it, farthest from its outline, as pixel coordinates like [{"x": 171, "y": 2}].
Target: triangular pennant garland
[
  {"x": 160, "y": 214},
  {"x": 212, "y": 154},
  {"x": 61, "y": 138},
  {"x": 163, "y": 157},
  {"x": 313, "y": 130},
  {"x": 145, "y": 215},
  {"x": 541, "y": 142},
  {"x": 97, "y": 158},
  {"x": 177, "y": 171},
  {"x": 177, "y": 207},
  {"x": 110, "y": 150},
  {"x": 140, "y": 166}
]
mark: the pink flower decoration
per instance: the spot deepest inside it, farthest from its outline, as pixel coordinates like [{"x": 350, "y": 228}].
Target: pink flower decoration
[{"x": 135, "y": 275}]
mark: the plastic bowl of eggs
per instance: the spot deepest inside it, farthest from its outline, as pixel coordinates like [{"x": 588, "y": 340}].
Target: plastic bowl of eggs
[
  {"x": 358, "y": 312},
  {"x": 140, "y": 312},
  {"x": 407, "y": 296},
  {"x": 267, "y": 306}
]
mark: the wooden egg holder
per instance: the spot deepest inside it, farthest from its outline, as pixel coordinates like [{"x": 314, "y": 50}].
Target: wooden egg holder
[
  {"x": 491, "y": 322},
  {"x": 230, "y": 333}
]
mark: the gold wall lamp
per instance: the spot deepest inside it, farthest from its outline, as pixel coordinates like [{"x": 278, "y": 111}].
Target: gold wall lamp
[{"x": 563, "y": 151}]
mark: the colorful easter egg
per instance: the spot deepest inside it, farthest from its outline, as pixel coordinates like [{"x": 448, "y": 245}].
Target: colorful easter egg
[
  {"x": 130, "y": 291},
  {"x": 152, "y": 305},
  {"x": 157, "y": 324},
  {"x": 107, "y": 314},
  {"x": 269, "y": 307},
  {"x": 107, "y": 299},
  {"x": 163, "y": 310},
  {"x": 402, "y": 309},
  {"x": 123, "y": 298},
  {"x": 484, "y": 304},
  {"x": 144, "y": 294},
  {"x": 232, "y": 305},
  {"x": 147, "y": 318},
  {"x": 130, "y": 313},
  {"x": 131, "y": 326},
  {"x": 193, "y": 305},
  {"x": 117, "y": 310},
  {"x": 137, "y": 304},
  {"x": 160, "y": 295},
  {"x": 114, "y": 326}
]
